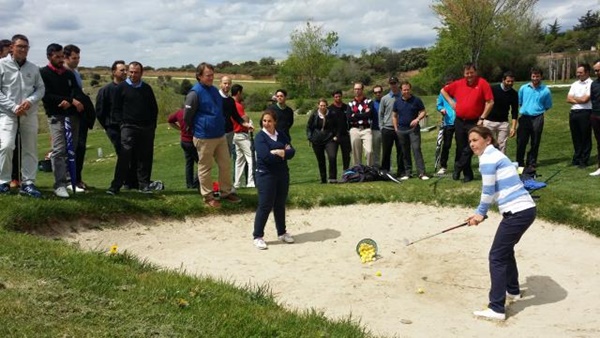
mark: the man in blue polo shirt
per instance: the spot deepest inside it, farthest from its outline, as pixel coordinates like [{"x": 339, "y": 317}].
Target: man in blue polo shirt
[
  {"x": 408, "y": 111},
  {"x": 534, "y": 100}
]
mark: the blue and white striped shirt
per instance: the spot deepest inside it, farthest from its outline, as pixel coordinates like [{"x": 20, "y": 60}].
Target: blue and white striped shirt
[{"x": 501, "y": 183}]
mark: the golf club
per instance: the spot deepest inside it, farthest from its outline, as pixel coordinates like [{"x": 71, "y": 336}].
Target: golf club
[{"x": 407, "y": 243}]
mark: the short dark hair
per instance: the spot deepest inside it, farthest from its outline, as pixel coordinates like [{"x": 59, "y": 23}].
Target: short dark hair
[
  {"x": 506, "y": 74},
  {"x": 201, "y": 67},
  {"x": 469, "y": 65},
  {"x": 137, "y": 64},
  {"x": 69, "y": 49},
  {"x": 377, "y": 86},
  {"x": 586, "y": 67},
  {"x": 405, "y": 83},
  {"x": 336, "y": 92},
  {"x": 5, "y": 43},
  {"x": 236, "y": 88},
  {"x": 536, "y": 70},
  {"x": 19, "y": 37},
  {"x": 283, "y": 91},
  {"x": 53, "y": 48},
  {"x": 117, "y": 62}
]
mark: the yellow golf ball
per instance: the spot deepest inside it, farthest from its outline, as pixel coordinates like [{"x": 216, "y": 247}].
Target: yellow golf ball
[
  {"x": 420, "y": 290},
  {"x": 378, "y": 273}
]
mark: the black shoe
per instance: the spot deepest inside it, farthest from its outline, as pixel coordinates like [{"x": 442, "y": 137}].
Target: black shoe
[
  {"x": 467, "y": 179},
  {"x": 456, "y": 175},
  {"x": 112, "y": 191}
]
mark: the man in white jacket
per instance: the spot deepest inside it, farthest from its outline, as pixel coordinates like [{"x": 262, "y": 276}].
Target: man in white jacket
[{"x": 21, "y": 89}]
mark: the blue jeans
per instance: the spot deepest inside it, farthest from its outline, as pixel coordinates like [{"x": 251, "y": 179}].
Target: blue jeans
[
  {"x": 503, "y": 266},
  {"x": 272, "y": 195}
]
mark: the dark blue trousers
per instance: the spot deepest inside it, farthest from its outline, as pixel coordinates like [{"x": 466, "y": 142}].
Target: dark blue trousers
[
  {"x": 272, "y": 195},
  {"x": 503, "y": 266},
  {"x": 191, "y": 159}
]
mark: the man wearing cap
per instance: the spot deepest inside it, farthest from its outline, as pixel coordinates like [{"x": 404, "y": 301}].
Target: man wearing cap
[
  {"x": 389, "y": 138},
  {"x": 359, "y": 119},
  {"x": 472, "y": 100}
]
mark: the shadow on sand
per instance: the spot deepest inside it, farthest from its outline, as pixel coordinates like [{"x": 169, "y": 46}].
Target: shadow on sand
[{"x": 538, "y": 290}]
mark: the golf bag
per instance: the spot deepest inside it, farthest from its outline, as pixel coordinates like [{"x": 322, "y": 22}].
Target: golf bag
[{"x": 360, "y": 173}]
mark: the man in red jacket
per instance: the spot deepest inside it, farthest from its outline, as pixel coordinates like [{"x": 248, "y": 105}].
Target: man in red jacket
[{"x": 472, "y": 100}]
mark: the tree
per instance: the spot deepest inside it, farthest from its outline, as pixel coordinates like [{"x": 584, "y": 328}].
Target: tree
[
  {"x": 310, "y": 59},
  {"x": 471, "y": 23},
  {"x": 590, "y": 20},
  {"x": 267, "y": 61},
  {"x": 554, "y": 28}
]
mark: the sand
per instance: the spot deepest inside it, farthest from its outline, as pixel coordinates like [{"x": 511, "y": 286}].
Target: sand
[{"x": 559, "y": 267}]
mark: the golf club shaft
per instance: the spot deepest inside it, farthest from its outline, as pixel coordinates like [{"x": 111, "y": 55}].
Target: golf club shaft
[
  {"x": 443, "y": 231},
  {"x": 439, "y": 233}
]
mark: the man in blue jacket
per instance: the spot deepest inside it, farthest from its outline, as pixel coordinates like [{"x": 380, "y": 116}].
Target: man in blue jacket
[{"x": 203, "y": 111}]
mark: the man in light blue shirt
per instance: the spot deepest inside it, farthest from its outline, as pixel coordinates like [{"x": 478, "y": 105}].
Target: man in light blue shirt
[{"x": 534, "y": 100}]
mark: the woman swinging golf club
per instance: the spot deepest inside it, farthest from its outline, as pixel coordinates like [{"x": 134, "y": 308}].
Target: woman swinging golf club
[{"x": 501, "y": 183}]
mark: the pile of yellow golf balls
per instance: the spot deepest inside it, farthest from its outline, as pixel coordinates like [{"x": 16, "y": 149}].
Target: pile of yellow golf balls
[{"x": 367, "y": 252}]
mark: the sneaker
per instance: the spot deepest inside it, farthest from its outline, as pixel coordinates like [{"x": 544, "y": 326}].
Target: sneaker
[
  {"x": 251, "y": 185},
  {"x": 61, "y": 192},
  {"x": 112, "y": 191},
  {"x": 14, "y": 184},
  {"x": 510, "y": 298},
  {"x": 146, "y": 190},
  {"x": 490, "y": 314},
  {"x": 442, "y": 171},
  {"x": 260, "y": 243},
  {"x": 77, "y": 188},
  {"x": 4, "y": 188},
  {"x": 423, "y": 177},
  {"x": 156, "y": 185},
  {"x": 213, "y": 203},
  {"x": 82, "y": 185},
  {"x": 286, "y": 238},
  {"x": 233, "y": 198},
  {"x": 332, "y": 181},
  {"x": 404, "y": 178},
  {"x": 595, "y": 173},
  {"x": 30, "y": 190}
]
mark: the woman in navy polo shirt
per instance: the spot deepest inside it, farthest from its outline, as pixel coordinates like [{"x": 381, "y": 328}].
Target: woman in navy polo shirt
[{"x": 273, "y": 150}]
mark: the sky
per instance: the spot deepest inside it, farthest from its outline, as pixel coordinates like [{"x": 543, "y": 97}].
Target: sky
[{"x": 164, "y": 33}]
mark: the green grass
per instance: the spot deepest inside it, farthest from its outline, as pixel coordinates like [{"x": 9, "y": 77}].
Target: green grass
[{"x": 50, "y": 288}]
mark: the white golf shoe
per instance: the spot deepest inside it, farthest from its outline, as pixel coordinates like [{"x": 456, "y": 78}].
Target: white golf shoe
[
  {"x": 490, "y": 314},
  {"x": 61, "y": 192},
  {"x": 595, "y": 173},
  {"x": 260, "y": 243}
]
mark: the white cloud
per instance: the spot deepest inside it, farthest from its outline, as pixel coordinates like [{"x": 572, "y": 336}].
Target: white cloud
[{"x": 165, "y": 33}]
